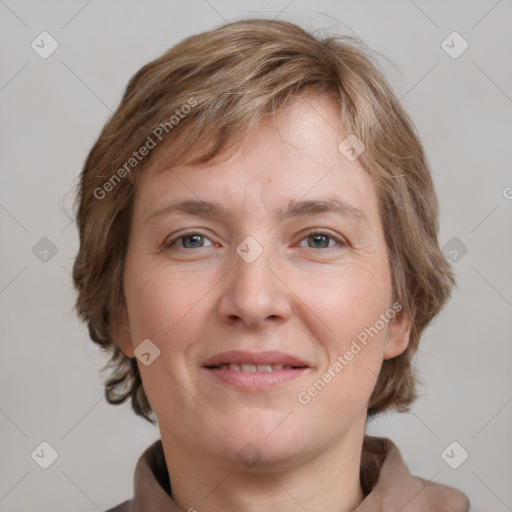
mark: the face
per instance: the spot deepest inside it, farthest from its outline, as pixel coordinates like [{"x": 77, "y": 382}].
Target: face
[{"x": 249, "y": 308}]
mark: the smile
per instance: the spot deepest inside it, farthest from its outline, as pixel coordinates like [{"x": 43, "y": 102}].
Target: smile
[
  {"x": 255, "y": 371},
  {"x": 251, "y": 368}
]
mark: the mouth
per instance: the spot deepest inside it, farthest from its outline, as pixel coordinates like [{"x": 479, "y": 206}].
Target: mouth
[
  {"x": 251, "y": 368},
  {"x": 251, "y": 371}
]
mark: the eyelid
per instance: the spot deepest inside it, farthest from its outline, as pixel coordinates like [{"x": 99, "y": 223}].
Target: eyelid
[
  {"x": 172, "y": 239},
  {"x": 320, "y": 231}
]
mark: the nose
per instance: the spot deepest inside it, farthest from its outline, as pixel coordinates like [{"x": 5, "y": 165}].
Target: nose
[{"x": 255, "y": 293}]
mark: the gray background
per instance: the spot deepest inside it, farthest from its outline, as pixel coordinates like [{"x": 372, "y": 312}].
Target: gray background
[{"x": 52, "y": 111}]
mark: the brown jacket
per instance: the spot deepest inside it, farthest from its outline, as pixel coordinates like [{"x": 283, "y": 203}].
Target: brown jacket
[{"x": 386, "y": 482}]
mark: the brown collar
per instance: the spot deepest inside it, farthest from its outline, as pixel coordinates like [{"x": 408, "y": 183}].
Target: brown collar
[{"x": 385, "y": 480}]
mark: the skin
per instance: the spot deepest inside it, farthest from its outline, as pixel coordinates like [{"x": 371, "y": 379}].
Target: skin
[{"x": 302, "y": 295}]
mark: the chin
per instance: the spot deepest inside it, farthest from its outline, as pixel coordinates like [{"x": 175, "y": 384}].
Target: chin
[
  {"x": 263, "y": 423},
  {"x": 272, "y": 454},
  {"x": 262, "y": 439}
]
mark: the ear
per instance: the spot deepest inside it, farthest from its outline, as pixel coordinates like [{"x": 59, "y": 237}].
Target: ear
[
  {"x": 398, "y": 336},
  {"x": 120, "y": 331}
]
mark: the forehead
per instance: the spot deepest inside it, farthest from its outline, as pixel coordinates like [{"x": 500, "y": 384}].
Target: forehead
[{"x": 289, "y": 157}]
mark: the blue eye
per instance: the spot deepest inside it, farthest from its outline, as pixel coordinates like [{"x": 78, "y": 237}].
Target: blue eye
[
  {"x": 319, "y": 237},
  {"x": 195, "y": 240}
]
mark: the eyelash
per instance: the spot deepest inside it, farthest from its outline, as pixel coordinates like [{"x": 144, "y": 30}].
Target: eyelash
[{"x": 337, "y": 239}]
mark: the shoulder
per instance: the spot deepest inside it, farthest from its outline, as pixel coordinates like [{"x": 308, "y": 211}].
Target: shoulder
[
  {"x": 444, "y": 498},
  {"x": 125, "y": 506}
]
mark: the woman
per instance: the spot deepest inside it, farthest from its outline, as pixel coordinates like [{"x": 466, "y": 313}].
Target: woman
[{"x": 259, "y": 254}]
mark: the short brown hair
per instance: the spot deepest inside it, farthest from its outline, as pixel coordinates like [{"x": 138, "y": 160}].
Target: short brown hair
[{"x": 234, "y": 75}]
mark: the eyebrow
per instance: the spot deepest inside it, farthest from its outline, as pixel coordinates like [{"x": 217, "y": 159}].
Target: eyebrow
[{"x": 294, "y": 209}]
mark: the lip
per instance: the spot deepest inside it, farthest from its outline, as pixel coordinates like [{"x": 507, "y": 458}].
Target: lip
[
  {"x": 255, "y": 381},
  {"x": 242, "y": 356}
]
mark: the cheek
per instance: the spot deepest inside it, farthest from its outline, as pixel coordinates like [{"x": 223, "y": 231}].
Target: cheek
[
  {"x": 165, "y": 306},
  {"x": 348, "y": 308},
  {"x": 347, "y": 301}
]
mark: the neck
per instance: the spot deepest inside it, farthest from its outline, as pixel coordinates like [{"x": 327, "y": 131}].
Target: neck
[{"x": 329, "y": 481}]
